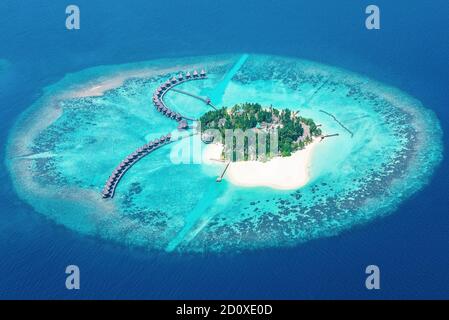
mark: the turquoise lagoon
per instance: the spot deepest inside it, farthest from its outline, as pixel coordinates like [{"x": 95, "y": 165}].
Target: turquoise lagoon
[{"x": 65, "y": 146}]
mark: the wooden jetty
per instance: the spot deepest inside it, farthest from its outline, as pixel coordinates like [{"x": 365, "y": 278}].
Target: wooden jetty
[
  {"x": 223, "y": 173},
  {"x": 206, "y": 100},
  {"x": 329, "y": 135},
  {"x": 341, "y": 124}
]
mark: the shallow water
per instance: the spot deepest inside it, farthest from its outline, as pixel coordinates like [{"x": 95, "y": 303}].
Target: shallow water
[{"x": 395, "y": 146}]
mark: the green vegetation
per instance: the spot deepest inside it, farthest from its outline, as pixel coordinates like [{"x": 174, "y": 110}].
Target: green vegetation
[{"x": 294, "y": 132}]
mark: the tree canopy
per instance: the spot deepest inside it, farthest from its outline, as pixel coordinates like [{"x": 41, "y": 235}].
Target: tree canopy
[{"x": 246, "y": 116}]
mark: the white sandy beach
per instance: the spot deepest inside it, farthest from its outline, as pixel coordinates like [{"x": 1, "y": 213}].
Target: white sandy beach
[{"x": 282, "y": 173}]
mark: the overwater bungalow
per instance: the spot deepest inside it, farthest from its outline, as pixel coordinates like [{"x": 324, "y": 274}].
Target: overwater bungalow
[
  {"x": 173, "y": 80},
  {"x": 156, "y": 142},
  {"x": 183, "y": 125},
  {"x": 188, "y": 75},
  {"x": 195, "y": 74},
  {"x": 203, "y": 73},
  {"x": 180, "y": 77},
  {"x": 168, "y": 83}
]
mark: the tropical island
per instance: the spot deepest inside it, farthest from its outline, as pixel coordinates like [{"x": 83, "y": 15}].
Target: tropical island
[
  {"x": 59, "y": 154},
  {"x": 286, "y": 166},
  {"x": 293, "y": 132}
]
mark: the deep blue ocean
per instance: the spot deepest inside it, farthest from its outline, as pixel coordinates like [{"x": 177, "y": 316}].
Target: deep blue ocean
[{"x": 410, "y": 51}]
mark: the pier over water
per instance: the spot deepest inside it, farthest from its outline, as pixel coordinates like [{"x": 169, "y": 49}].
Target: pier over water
[{"x": 338, "y": 121}]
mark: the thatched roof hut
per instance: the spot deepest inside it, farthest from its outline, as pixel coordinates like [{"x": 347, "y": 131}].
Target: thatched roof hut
[{"x": 182, "y": 125}]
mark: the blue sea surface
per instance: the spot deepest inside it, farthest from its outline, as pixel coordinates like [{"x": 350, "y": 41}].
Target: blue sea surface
[{"x": 410, "y": 52}]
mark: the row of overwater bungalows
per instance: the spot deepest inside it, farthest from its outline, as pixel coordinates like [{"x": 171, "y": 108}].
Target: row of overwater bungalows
[
  {"x": 117, "y": 174},
  {"x": 111, "y": 183},
  {"x": 163, "y": 89}
]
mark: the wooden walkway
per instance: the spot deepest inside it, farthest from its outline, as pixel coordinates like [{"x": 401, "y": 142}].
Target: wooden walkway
[
  {"x": 129, "y": 161},
  {"x": 341, "y": 124},
  {"x": 205, "y": 100},
  {"x": 223, "y": 173},
  {"x": 329, "y": 135}
]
